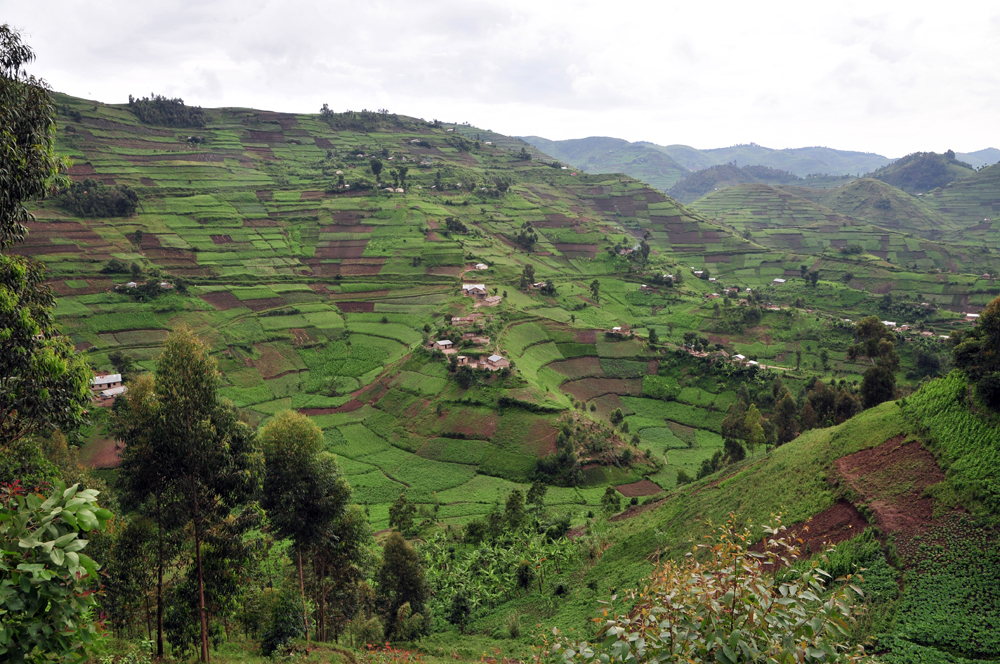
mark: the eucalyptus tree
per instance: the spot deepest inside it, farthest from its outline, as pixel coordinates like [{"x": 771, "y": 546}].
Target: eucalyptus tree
[
  {"x": 184, "y": 441},
  {"x": 304, "y": 490}
]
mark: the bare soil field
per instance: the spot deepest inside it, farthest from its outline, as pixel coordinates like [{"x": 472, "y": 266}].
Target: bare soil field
[
  {"x": 578, "y": 367},
  {"x": 222, "y": 300},
  {"x": 637, "y": 489},
  {"x": 586, "y": 389}
]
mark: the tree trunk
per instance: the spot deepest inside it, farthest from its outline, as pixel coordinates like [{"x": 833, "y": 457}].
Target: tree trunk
[
  {"x": 302, "y": 589},
  {"x": 201, "y": 579},
  {"x": 159, "y": 579},
  {"x": 149, "y": 625}
]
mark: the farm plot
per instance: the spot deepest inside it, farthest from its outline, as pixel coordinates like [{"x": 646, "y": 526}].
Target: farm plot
[
  {"x": 586, "y": 389},
  {"x": 578, "y": 367}
]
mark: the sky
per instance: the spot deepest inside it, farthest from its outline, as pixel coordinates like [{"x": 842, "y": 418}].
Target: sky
[{"x": 885, "y": 77}]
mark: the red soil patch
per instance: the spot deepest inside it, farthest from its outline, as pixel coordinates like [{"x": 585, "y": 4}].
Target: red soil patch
[
  {"x": 342, "y": 249},
  {"x": 891, "y": 479},
  {"x": 361, "y": 266},
  {"x": 356, "y": 307},
  {"x": 351, "y": 405},
  {"x": 266, "y": 137},
  {"x": 476, "y": 425},
  {"x": 264, "y": 303},
  {"x": 299, "y": 336},
  {"x": 432, "y": 237},
  {"x": 445, "y": 270},
  {"x": 578, "y": 367},
  {"x": 81, "y": 171},
  {"x": 83, "y": 345},
  {"x": 221, "y": 239},
  {"x": 346, "y": 228},
  {"x": 637, "y": 489},
  {"x": 264, "y": 195},
  {"x": 312, "y": 195},
  {"x": 586, "y": 389},
  {"x": 542, "y": 438},
  {"x": 576, "y": 250},
  {"x": 585, "y": 336},
  {"x": 101, "y": 453},
  {"x": 147, "y": 182},
  {"x": 837, "y": 523},
  {"x": 222, "y": 300}
]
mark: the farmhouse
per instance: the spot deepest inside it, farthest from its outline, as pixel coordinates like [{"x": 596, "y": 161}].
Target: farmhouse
[
  {"x": 538, "y": 284},
  {"x": 482, "y": 266},
  {"x": 492, "y": 300},
  {"x": 711, "y": 278},
  {"x": 739, "y": 358},
  {"x": 131, "y": 284},
  {"x": 494, "y": 362},
  {"x": 443, "y": 344},
  {"x": 464, "y": 320},
  {"x": 889, "y": 323},
  {"x": 477, "y": 290},
  {"x": 698, "y": 273},
  {"x": 105, "y": 382},
  {"x": 646, "y": 289},
  {"x": 971, "y": 316},
  {"x": 165, "y": 285},
  {"x": 779, "y": 281},
  {"x": 113, "y": 392}
]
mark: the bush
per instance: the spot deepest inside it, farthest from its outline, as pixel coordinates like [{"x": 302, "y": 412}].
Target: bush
[
  {"x": 285, "y": 624},
  {"x": 91, "y": 198},
  {"x": 988, "y": 389}
]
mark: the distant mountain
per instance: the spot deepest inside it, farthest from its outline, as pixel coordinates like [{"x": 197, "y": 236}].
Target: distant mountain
[
  {"x": 695, "y": 185},
  {"x": 921, "y": 172},
  {"x": 800, "y": 161},
  {"x": 980, "y": 158},
  {"x": 601, "y": 154}
]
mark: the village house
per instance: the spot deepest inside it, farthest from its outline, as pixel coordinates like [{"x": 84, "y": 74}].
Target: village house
[
  {"x": 616, "y": 330},
  {"x": 889, "y": 323},
  {"x": 646, "y": 289},
  {"x": 476, "y": 290},
  {"x": 443, "y": 344},
  {"x": 538, "y": 284},
  {"x": 464, "y": 320},
  {"x": 779, "y": 281},
  {"x": 494, "y": 362},
  {"x": 492, "y": 300},
  {"x": 105, "y": 382},
  {"x": 482, "y": 266},
  {"x": 698, "y": 273},
  {"x": 711, "y": 278},
  {"x": 739, "y": 358},
  {"x": 971, "y": 316}
]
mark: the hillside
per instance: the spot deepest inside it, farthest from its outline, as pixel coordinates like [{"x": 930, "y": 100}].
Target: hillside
[
  {"x": 980, "y": 158},
  {"x": 971, "y": 206},
  {"x": 599, "y": 154},
  {"x": 695, "y": 185},
  {"x": 921, "y": 172}
]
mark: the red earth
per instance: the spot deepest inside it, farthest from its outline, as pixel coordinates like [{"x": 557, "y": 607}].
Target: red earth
[{"x": 637, "y": 489}]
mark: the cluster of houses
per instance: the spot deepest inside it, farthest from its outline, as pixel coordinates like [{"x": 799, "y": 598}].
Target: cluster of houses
[
  {"x": 479, "y": 292},
  {"x": 133, "y": 284},
  {"x": 106, "y": 388},
  {"x": 492, "y": 363}
]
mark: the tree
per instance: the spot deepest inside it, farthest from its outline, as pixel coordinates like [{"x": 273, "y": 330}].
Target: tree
[
  {"x": 785, "y": 419},
  {"x": 654, "y": 338},
  {"x": 189, "y": 443},
  {"x": 376, "y": 166},
  {"x": 824, "y": 359},
  {"x": 536, "y": 497},
  {"x": 754, "y": 428},
  {"x": 460, "y": 610},
  {"x": 400, "y": 582},
  {"x": 465, "y": 376},
  {"x": 527, "y": 275},
  {"x": 514, "y": 515},
  {"x": 595, "y": 290},
  {"x": 978, "y": 351},
  {"x": 734, "y": 431},
  {"x": 402, "y": 171},
  {"x": 401, "y": 514},
  {"x": 711, "y": 607},
  {"x": 43, "y": 380},
  {"x": 611, "y": 501},
  {"x": 873, "y": 341},
  {"x": 47, "y": 600},
  {"x": 304, "y": 491},
  {"x": 28, "y": 161},
  {"x": 798, "y": 359}
]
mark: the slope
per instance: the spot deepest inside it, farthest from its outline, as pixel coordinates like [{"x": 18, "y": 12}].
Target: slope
[
  {"x": 921, "y": 172},
  {"x": 599, "y": 154},
  {"x": 972, "y": 206},
  {"x": 800, "y": 161},
  {"x": 695, "y": 185}
]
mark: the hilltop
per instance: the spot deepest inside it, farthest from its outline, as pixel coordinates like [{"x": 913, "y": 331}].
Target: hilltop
[
  {"x": 923, "y": 171},
  {"x": 695, "y": 185}
]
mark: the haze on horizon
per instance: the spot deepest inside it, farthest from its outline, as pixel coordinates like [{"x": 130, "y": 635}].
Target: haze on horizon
[{"x": 891, "y": 78}]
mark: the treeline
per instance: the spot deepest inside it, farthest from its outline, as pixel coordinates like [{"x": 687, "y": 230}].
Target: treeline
[
  {"x": 160, "y": 110},
  {"x": 363, "y": 120},
  {"x": 91, "y": 198}
]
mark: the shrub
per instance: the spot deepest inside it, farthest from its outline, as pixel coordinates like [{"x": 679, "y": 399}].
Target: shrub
[
  {"x": 285, "y": 624},
  {"x": 988, "y": 389}
]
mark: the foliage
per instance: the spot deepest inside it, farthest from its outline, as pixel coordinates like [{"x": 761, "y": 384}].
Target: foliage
[
  {"x": 284, "y": 624},
  {"x": 91, "y": 198},
  {"x": 401, "y": 514},
  {"x": 978, "y": 351},
  {"x": 43, "y": 380},
  {"x": 28, "y": 160},
  {"x": 160, "y": 110},
  {"x": 46, "y": 585},
  {"x": 725, "y": 604},
  {"x": 400, "y": 583}
]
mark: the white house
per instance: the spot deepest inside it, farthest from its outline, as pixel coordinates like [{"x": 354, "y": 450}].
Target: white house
[
  {"x": 482, "y": 266},
  {"x": 478, "y": 290},
  {"x": 415, "y": 140},
  {"x": 131, "y": 284},
  {"x": 972, "y": 316},
  {"x": 779, "y": 281},
  {"x": 496, "y": 362},
  {"x": 739, "y": 358},
  {"x": 489, "y": 142},
  {"x": 616, "y": 329},
  {"x": 711, "y": 278},
  {"x": 113, "y": 392},
  {"x": 109, "y": 381},
  {"x": 754, "y": 363},
  {"x": 698, "y": 273},
  {"x": 442, "y": 344},
  {"x": 889, "y": 323}
]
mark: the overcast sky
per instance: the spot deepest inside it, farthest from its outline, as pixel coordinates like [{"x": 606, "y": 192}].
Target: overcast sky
[{"x": 886, "y": 77}]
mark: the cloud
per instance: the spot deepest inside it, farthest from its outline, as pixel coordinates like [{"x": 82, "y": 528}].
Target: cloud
[{"x": 902, "y": 77}]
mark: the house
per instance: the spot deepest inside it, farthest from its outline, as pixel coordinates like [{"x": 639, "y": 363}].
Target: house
[
  {"x": 399, "y": 190},
  {"x": 698, "y": 273},
  {"x": 415, "y": 140},
  {"x": 668, "y": 276},
  {"x": 971, "y": 316},
  {"x": 711, "y": 278},
  {"x": 492, "y": 300},
  {"x": 489, "y": 142},
  {"x": 538, "y": 284},
  {"x": 645, "y": 288},
  {"x": 779, "y": 281},
  {"x": 165, "y": 285},
  {"x": 482, "y": 266},
  {"x": 131, "y": 284},
  {"x": 462, "y": 359},
  {"x": 753, "y": 363},
  {"x": 477, "y": 290},
  {"x": 464, "y": 320},
  {"x": 443, "y": 344},
  {"x": 113, "y": 392},
  {"x": 451, "y": 130},
  {"x": 926, "y": 334},
  {"x": 739, "y": 358},
  {"x": 105, "y": 382},
  {"x": 496, "y": 362},
  {"x": 944, "y": 337},
  {"x": 712, "y": 296},
  {"x": 339, "y": 173},
  {"x": 889, "y": 323},
  {"x": 904, "y": 328},
  {"x": 616, "y": 330}
]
